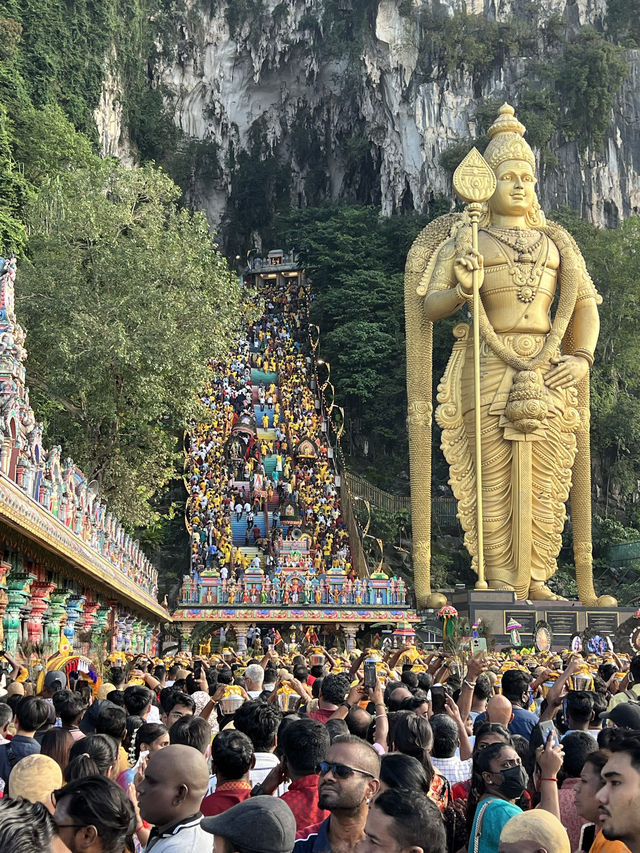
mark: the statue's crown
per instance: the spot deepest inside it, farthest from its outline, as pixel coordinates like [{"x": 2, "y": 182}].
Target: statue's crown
[{"x": 507, "y": 142}]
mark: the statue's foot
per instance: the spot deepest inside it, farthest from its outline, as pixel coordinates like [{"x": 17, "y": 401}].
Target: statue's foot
[
  {"x": 541, "y": 592},
  {"x": 606, "y": 601}
]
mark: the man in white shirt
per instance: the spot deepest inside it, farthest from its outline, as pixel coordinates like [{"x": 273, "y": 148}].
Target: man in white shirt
[
  {"x": 254, "y": 678},
  {"x": 169, "y": 797},
  {"x": 446, "y": 740}
]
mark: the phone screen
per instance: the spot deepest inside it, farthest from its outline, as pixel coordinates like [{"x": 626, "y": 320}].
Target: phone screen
[
  {"x": 437, "y": 699},
  {"x": 370, "y": 675},
  {"x": 549, "y": 731}
]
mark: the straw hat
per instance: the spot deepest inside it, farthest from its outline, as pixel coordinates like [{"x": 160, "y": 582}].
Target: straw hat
[{"x": 34, "y": 778}]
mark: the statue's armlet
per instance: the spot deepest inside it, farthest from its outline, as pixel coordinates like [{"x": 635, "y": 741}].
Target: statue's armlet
[
  {"x": 587, "y": 290},
  {"x": 443, "y": 276}
]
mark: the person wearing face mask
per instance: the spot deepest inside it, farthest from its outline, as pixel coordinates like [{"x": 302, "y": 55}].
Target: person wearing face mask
[{"x": 498, "y": 781}]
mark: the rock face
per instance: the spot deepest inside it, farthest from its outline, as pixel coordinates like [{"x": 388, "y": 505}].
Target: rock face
[
  {"x": 108, "y": 116},
  {"x": 364, "y": 109}
]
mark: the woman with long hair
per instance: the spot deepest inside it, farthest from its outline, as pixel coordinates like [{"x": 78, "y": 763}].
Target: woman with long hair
[
  {"x": 412, "y": 735},
  {"x": 498, "y": 780},
  {"x": 144, "y": 739},
  {"x": 94, "y": 755},
  {"x": 56, "y": 743},
  {"x": 402, "y": 772}
]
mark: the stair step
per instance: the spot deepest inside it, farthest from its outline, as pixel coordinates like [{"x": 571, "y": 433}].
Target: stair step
[{"x": 259, "y": 377}]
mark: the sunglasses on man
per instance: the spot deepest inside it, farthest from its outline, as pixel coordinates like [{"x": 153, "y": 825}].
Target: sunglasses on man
[{"x": 340, "y": 771}]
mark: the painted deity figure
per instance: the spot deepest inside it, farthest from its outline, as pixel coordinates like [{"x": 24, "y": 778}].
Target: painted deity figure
[{"x": 538, "y": 325}]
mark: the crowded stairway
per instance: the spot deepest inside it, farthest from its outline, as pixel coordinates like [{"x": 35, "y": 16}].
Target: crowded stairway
[
  {"x": 303, "y": 748},
  {"x": 264, "y": 507}
]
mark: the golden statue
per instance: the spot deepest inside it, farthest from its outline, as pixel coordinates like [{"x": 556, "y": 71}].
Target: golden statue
[{"x": 527, "y": 387}]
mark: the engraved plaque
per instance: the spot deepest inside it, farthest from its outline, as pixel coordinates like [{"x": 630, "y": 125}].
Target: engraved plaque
[
  {"x": 602, "y": 622},
  {"x": 525, "y": 617},
  {"x": 562, "y": 623}
]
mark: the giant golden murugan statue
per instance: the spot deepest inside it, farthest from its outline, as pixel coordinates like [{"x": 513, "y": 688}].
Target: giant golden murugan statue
[{"x": 538, "y": 328}]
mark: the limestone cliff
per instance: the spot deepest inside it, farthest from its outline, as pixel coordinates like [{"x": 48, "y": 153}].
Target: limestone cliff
[{"x": 352, "y": 97}]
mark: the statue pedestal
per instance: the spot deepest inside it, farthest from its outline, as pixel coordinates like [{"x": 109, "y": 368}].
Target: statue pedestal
[{"x": 565, "y": 618}]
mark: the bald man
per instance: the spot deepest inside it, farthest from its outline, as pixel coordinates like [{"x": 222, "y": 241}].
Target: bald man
[
  {"x": 169, "y": 797},
  {"x": 349, "y": 780},
  {"x": 536, "y": 831},
  {"x": 499, "y": 710}
]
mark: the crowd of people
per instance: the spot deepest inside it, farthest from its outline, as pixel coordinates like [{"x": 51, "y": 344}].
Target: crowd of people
[
  {"x": 245, "y": 466},
  {"x": 401, "y": 751}
]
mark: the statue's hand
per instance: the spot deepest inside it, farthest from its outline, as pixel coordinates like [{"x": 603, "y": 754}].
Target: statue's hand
[
  {"x": 568, "y": 371},
  {"x": 463, "y": 269}
]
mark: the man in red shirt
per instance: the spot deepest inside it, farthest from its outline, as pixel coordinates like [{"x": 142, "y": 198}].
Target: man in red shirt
[
  {"x": 332, "y": 694},
  {"x": 304, "y": 744},
  {"x": 232, "y": 759}
]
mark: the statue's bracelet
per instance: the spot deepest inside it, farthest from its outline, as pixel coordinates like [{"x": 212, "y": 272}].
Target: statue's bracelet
[
  {"x": 463, "y": 293},
  {"x": 584, "y": 353}
]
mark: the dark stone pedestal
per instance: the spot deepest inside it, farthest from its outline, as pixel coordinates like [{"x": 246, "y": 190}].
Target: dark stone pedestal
[{"x": 565, "y": 618}]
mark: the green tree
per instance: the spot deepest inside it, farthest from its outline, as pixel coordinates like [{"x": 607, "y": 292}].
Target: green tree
[
  {"x": 13, "y": 190},
  {"x": 623, "y": 22},
  {"x": 46, "y": 143},
  {"x": 127, "y": 297},
  {"x": 589, "y": 79}
]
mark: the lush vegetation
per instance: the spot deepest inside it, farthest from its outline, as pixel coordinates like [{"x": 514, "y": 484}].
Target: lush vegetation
[
  {"x": 123, "y": 291},
  {"x": 129, "y": 298}
]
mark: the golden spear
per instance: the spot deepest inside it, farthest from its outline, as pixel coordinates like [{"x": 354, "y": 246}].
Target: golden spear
[{"x": 475, "y": 183}]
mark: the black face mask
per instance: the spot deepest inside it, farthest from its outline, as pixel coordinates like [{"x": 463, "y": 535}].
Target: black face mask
[{"x": 514, "y": 782}]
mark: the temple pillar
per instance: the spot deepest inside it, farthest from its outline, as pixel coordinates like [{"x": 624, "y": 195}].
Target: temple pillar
[
  {"x": 102, "y": 617},
  {"x": 128, "y": 633},
  {"x": 137, "y": 643},
  {"x": 120, "y": 631},
  {"x": 113, "y": 626},
  {"x": 5, "y": 568},
  {"x": 155, "y": 641},
  {"x": 241, "y": 636},
  {"x": 74, "y": 612},
  {"x": 147, "y": 631},
  {"x": 41, "y": 589},
  {"x": 54, "y": 615},
  {"x": 89, "y": 613},
  {"x": 18, "y": 597},
  {"x": 185, "y": 636},
  {"x": 350, "y": 632}
]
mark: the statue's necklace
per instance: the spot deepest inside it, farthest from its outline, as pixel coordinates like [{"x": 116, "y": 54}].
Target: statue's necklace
[{"x": 527, "y": 270}]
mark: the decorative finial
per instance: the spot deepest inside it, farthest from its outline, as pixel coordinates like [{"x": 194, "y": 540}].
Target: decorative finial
[
  {"x": 506, "y": 122},
  {"x": 507, "y": 141}
]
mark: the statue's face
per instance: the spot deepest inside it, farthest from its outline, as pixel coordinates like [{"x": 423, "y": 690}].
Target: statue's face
[{"x": 515, "y": 189}]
